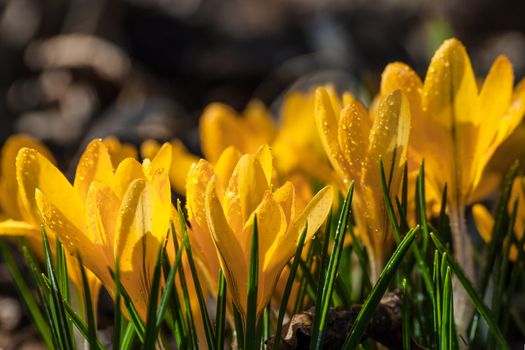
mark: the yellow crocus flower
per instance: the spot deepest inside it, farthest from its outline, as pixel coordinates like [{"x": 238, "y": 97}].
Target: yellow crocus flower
[
  {"x": 221, "y": 126},
  {"x": 22, "y": 218},
  {"x": 355, "y": 141},
  {"x": 485, "y": 222},
  {"x": 297, "y": 147},
  {"x": 456, "y": 129},
  {"x": 119, "y": 151},
  {"x": 222, "y": 209},
  {"x": 106, "y": 215},
  {"x": 181, "y": 161}
]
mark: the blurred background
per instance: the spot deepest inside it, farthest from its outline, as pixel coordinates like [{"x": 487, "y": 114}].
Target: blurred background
[{"x": 72, "y": 70}]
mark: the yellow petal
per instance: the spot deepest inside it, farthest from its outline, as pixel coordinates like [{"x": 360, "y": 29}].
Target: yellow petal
[
  {"x": 73, "y": 235},
  {"x": 314, "y": 214},
  {"x": 8, "y": 183},
  {"x": 142, "y": 219},
  {"x": 219, "y": 128},
  {"x": 162, "y": 159},
  {"x": 495, "y": 97},
  {"x": 399, "y": 76},
  {"x": 264, "y": 156},
  {"x": 245, "y": 191},
  {"x": 127, "y": 171},
  {"x": 273, "y": 239},
  {"x": 259, "y": 119},
  {"x": 149, "y": 148},
  {"x": 34, "y": 171},
  {"x": 450, "y": 96},
  {"x": 180, "y": 165},
  {"x": 484, "y": 222},
  {"x": 141, "y": 229},
  {"x": 285, "y": 197},
  {"x": 224, "y": 168},
  {"x": 102, "y": 209},
  {"x": 326, "y": 119},
  {"x": 230, "y": 253},
  {"x": 198, "y": 178},
  {"x": 94, "y": 165},
  {"x": 119, "y": 151},
  {"x": 354, "y": 128},
  {"x": 388, "y": 142},
  {"x": 19, "y": 228},
  {"x": 514, "y": 114}
]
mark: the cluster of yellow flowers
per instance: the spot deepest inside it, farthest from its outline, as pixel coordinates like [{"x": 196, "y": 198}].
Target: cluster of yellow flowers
[{"x": 118, "y": 209}]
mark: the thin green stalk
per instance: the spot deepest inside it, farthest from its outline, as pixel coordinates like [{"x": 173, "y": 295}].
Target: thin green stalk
[
  {"x": 478, "y": 303},
  {"x": 323, "y": 304},
  {"x": 208, "y": 329},
  {"x": 220, "y": 314},
  {"x": 365, "y": 314},
  {"x": 288, "y": 289},
  {"x": 251, "y": 342},
  {"x": 25, "y": 292}
]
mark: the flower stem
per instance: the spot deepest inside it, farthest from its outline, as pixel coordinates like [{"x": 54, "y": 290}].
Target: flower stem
[{"x": 462, "y": 245}]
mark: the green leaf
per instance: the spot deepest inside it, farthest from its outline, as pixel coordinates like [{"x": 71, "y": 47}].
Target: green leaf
[
  {"x": 185, "y": 294},
  {"x": 498, "y": 230},
  {"x": 151, "y": 330},
  {"x": 251, "y": 342},
  {"x": 288, "y": 288},
  {"x": 202, "y": 303},
  {"x": 25, "y": 292},
  {"x": 373, "y": 299},
  {"x": 448, "y": 314},
  {"x": 117, "y": 317},
  {"x": 128, "y": 303},
  {"x": 89, "y": 311},
  {"x": 478, "y": 303},
  {"x": 220, "y": 314},
  {"x": 60, "y": 320},
  {"x": 405, "y": 317},
  {"x": 317, "y": 339}
]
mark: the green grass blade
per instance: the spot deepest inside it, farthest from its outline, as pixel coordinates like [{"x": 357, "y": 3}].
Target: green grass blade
[
  {"x": 363, "y": 318},
  {"x": 397, "y": 234},
  {"x": 208, "y": 329},
  {"x": 388, "y": 204},
  {"x": 288, "y": 289},
  {"x": 129, "y": 337},
  {"x": 25, "y": 292},
  {"x": 322, "y": 306},
  {"x": 517, "y": 270},
  {"x": 117, "y": 317},
  {"x": 421, "y": 201},
  {"x": 65, "y": 336},
  {"x": 192, "y": 333},
  {"x": 169, "y": 287},
  {"x": 478, "y": 303},
  {"x": 238, "y": 327},
  {"x": 89, "y": 310},
  {"x": 76, "y": 320},
  {"x": 498, "y": 230},
  {"x": 501, "y": 277},
  {"x": 443, "y": 211},
  {"x": 220, "y": 314},
  {"x": 405, "y": 317},
  {"x": 128, "y": 303},
  {"x": 448, "y": 314},
  {"x": 175, "y": 316},
  {"x": 303, "y": 286},
  {"x": 151, "y": 330},
  {"x": 251, "y": 342}
]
